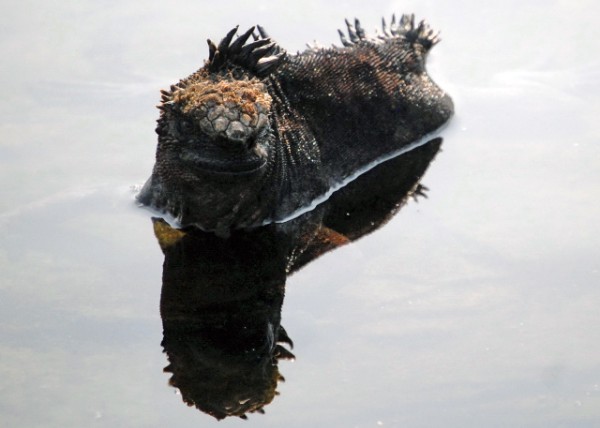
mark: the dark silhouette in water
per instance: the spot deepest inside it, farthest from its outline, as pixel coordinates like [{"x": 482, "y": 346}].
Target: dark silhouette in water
[{"x": 221, "y": 298}]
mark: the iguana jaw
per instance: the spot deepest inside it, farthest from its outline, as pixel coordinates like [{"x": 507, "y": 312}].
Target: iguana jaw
[{"x": 224, "y": 162}]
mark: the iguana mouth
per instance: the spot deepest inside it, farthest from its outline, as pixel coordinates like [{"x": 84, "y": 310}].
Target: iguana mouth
[{"x": 225, "y": 162}]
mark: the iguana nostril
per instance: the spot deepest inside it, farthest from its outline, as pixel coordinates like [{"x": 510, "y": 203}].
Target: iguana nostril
[
  {"x": 236, "y": 131},
  {"x": 251, "y": 143}
]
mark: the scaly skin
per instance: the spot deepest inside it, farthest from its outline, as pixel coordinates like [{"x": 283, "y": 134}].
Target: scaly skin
[{"x": 256, "y": 133}]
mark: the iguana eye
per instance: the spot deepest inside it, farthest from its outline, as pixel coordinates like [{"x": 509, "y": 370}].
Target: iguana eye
[{"x": 185, "y": 126}]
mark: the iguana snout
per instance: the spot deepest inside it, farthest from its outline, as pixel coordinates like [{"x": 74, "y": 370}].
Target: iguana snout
[{"x": 232, "y": 110}]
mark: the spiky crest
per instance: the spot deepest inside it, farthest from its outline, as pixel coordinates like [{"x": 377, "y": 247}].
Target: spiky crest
[
  {"x": 405, "y": 28},
  {"x": 260, "y": 57}
]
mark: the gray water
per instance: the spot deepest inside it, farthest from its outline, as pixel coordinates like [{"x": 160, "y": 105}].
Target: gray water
[{"x": 475, "y": 307}]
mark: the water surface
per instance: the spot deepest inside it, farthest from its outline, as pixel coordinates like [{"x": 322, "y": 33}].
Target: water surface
[{"x": 475, "y": 307}]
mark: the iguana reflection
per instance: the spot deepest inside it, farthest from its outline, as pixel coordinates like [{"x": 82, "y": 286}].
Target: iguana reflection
[{"x": 221, "y": 298}]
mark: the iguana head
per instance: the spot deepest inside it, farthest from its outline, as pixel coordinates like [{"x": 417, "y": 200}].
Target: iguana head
[
  {"x": 219, "y": 115},
  {"x": 217, "y": 125},
  {"x": 215, "y": 140},
  {"x": 214, "y": 145}
]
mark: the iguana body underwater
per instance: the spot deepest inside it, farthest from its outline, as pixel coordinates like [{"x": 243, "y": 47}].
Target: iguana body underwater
[{"x": 258, "y": 134}]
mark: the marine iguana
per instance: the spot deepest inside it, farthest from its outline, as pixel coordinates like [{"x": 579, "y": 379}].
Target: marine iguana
[{"x": 257, "y": 134}]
